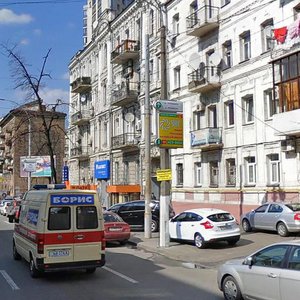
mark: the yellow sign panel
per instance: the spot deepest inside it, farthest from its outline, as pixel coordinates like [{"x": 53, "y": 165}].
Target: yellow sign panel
[
  {"x": 170, "y": 130},
  {"x": 165, "y": 174}
]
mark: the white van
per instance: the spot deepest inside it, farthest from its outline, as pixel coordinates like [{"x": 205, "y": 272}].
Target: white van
[{"x": 60, "y": 229}]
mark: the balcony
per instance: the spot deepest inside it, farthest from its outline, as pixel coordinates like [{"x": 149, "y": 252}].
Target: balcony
[
  {"x": 207, "y": 138},
  {"x": 129, "y": 49},
  {"x": 125, "y": 140},
  {"x": 81, "y": 152},
  {"x": 203, "y": 21},
  {"x": 204, "y": 79},
  {"x": 82, "y": 117},
  {"x": 81, "y": 85},
  {"x": 126, "y": 95},
  {"x": 287, "y": 123}
]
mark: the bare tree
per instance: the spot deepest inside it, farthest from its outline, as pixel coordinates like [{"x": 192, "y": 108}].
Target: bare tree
[{"x": 32, "y": 85}]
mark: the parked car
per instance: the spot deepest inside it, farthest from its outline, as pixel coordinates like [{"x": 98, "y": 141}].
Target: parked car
[
  {"x": 133, "y": 213},
  {"x": 281, "y": 217},
  {"x": 4, "y": 206},
  {"x": 204, "y": 226},
  {"x": 270, "y": 273},
  {"x": 115, "y": 229}
]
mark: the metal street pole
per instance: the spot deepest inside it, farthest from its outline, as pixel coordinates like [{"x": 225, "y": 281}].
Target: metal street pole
[
  {"x": 164, "y": 238},
  {"x": 29, "y": 151},
  {"x": 147, "y": 139}
]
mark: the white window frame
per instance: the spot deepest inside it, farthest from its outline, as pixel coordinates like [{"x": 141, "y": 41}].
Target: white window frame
[
  {"x": 229, "y": 113},
  {"x": 175, "y": 24},
  {"x": 245, "y": 40},
  {"x": 151, "y": 22},
  {"x": 179, "y": 174},
  {"x": 177, "y": 77},
  {"x": 227, "y": 54},
  {"x": 214, "y": 167},
  {"x": 271, "y": 105},
  {"x": 248, "y": 109},
  {"x": 198, "y": 173},
  {"x": 212, "y": 116},
  {"x": 267, "y": 38},
  {"x": 230, "y": 172},
  {"x": 250, "y": 170},
  {"x": 273, "y": 169}
]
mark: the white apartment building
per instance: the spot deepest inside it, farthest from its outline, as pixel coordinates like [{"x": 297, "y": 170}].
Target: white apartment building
[{"x": 235, "y": 66}]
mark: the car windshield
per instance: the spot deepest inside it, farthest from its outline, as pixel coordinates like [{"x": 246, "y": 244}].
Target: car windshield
[
  {"x": 111, "y": 218},
  {"x": 294, "y": 206},
  {"x": 220, "y": 217}
]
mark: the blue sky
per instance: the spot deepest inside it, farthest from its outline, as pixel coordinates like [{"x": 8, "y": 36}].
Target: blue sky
[{"x": 35, "y": 26}]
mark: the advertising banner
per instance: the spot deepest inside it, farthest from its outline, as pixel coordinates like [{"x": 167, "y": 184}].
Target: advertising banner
[{"x": 42, "y": 166}]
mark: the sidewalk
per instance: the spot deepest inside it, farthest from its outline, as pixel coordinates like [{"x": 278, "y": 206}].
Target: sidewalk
[{"x": 213, "y": 255}]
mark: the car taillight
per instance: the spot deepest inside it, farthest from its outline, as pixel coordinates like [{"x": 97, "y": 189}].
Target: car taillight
[
  {"x": 297, "y": 217},
  {"x": 40, "y": 244},
  {"x": 207, "y": 225}
]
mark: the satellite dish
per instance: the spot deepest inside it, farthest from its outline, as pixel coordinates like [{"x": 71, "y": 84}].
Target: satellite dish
[
  {"x": 129, "y": 117},
  {"x": 194, "y": 60},
  {"x": 215, "y": 59}
]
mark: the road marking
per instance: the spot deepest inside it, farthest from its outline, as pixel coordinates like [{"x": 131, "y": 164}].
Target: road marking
[
  {"x": 120, "y": 275},
  {"x": 9, "y": 280}
]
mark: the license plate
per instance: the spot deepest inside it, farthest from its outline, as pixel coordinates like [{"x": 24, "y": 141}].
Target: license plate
[
  {"x": 115, "y": 229},
  {"x": 59, "y": 253},
  {"x": 225, "y": 227}
]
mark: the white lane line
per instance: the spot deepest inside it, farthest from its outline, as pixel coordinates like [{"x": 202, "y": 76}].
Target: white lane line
[
  {"x": 120, "y": 275},
  {"x": 9, "y": 280}
]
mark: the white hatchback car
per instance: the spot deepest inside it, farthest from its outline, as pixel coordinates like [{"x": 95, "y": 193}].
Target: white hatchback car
[{"x": 203, "y": 226}]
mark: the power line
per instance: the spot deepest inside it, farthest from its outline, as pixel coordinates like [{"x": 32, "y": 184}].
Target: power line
[{"x": 40, "y": 2}]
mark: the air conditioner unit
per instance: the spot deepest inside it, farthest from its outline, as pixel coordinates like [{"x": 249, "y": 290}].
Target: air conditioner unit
[
  {"x": 288, "y": 145},
  {"x": 138, "y": 125}
]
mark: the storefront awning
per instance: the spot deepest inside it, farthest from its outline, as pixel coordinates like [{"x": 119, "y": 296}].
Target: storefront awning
[{"x": 123, "y": 188}]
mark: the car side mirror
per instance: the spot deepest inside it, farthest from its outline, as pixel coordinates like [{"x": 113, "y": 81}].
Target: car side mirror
[{"x": 248, "y": 261}]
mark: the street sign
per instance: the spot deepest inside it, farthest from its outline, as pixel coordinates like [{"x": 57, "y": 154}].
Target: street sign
[
  {"x": 170, "y": 130},
  {"x": 65, "y": 173},
  {"x": 163, "y": 175},
  {"x": 169, "y": 106}
]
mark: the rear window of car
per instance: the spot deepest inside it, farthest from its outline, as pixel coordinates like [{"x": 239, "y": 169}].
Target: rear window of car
[
  {"x": 221, "y": 217},
  {"x": 59, "y": 218},
  {"x": 293, "y": 206},
  {"x": 111, "y": 218},
  {"x": 86, "y": 217}
]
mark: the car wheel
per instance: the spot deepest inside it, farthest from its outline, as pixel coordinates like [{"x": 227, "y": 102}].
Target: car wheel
[
  {"x": 34, "y": 272},
  {"x": 231, "y": 289},
  {"x": 282, "y": 230},
  {"x": 90, "y": 270},
  {"x": 199, "y": 241},
  {"x": 246, "y": 225},
  {"x": 233, "y": 242},
  {"x": 154, "y": 226},
  {"x": 16, "y": 255}
]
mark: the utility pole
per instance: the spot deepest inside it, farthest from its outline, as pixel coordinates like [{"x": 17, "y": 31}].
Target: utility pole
[
  {"x": 147, "y": 139},
  {"x": 29, "y": 151},
  {"x": 164, "y": 153}
]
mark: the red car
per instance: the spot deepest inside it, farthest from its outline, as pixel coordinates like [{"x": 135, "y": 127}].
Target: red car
[{"x": 115, "y": 229}]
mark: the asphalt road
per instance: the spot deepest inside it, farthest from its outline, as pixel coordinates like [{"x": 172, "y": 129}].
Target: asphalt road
[{"x": 129, "y": 274}]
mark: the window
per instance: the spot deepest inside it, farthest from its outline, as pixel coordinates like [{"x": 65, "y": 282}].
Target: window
[
  {"x": 245, "y": 46},
  {"x": 86, "y": 217},
  {"x": 294, "y": 259},
  {"x": 59, "y": 218},
  {"x": 266, "y": 34},
  {"x": 175, "y": 25},
  {"x": 179, "y": 174},
  {"x": 250, "y": 170},
  {"x": 199, "y": 119},
  {"x": 193, "y": 14},
  {"x": 227, "y": 52},
  {"x": 262, "y": 208},
  {"x": 158, "y": 68},
  {"x": 270, "y": 257},
  {"x": 117, "y": 172},
  {"x": 198, "y": 176},
  {"x": 229, "y": 113},
  {"x": 230, "y": 172},
  {"x": 271, "y": 104},
  {"x": 273, "y": 168},
  {"x": 224, "y": 2},
  {"x": 126, "y": 172},
  {"x": 212, "y": 117},
  {"x": 151, "y": 70},
  {"x": 151, "y": 20},
  {"x": 177, "y": 77},
  {"x": 214, "y": 173},
  {"x": 248, "y": 109},
  {"x": 137, "y": 171},
  {"x": 275, "y": 208}
]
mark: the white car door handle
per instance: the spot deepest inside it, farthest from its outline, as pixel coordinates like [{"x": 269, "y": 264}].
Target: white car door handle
[{"x": 272, "y": 275}]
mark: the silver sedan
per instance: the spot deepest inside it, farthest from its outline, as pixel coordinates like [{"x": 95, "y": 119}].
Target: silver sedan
[
  {"x": 271, "y": 273},
  {"x": 281, "y": 217}
]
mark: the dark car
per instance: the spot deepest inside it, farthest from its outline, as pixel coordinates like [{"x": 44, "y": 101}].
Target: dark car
[{"x": 133, "y": 213}]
